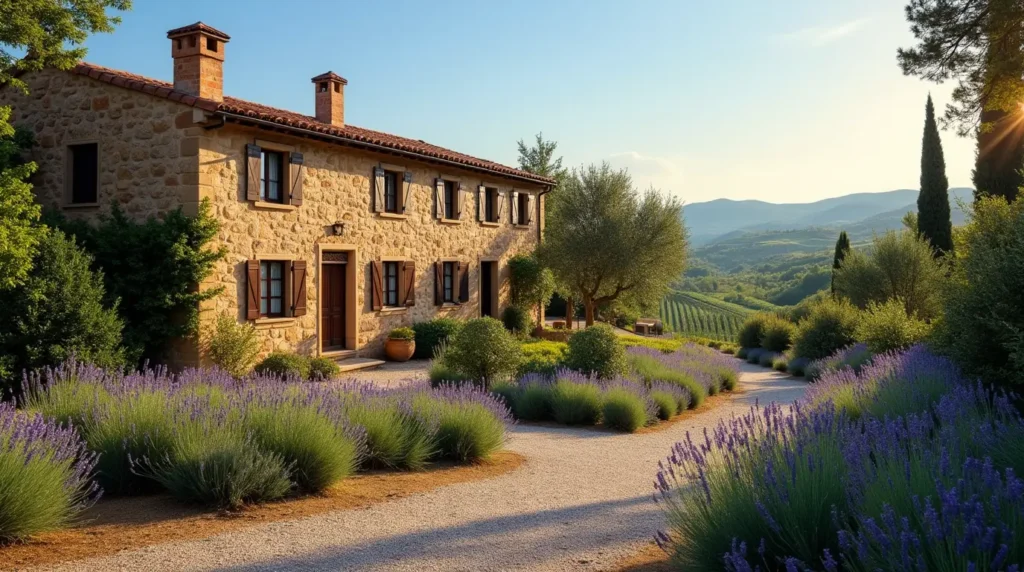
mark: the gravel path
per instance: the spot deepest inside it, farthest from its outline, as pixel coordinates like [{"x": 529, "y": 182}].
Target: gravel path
[{"x": 582, "y": 501}]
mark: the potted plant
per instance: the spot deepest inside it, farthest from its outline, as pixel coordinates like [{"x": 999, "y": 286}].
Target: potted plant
[{"x": 400, "y": 345}]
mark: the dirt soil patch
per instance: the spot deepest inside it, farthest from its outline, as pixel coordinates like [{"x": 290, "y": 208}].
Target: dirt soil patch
[
  {"x": 124, "y": 523},
  {"x": 649, "y": 559}
]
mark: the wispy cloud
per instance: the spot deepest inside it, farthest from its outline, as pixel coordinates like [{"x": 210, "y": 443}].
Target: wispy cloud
[{"x": 822, "y": 35}]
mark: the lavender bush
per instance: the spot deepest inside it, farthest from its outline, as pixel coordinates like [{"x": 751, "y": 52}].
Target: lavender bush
[
  {"x": 905, "y": 465},
  {"x": 45, "y": 474},
  {"x": 208, "y": 437}
]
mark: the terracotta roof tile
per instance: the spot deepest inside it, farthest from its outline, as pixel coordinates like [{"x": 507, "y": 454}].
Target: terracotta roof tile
[{"x": 287, "y": 119}]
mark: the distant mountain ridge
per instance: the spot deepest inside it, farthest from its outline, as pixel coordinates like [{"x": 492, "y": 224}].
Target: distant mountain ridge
[{"x": 858, "y": 213}]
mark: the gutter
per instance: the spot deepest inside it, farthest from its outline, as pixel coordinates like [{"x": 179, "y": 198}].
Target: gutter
[{"x": 373, "y": 146}]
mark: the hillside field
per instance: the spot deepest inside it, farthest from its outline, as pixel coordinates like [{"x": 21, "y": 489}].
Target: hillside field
[{"x": 692, "y": 313}]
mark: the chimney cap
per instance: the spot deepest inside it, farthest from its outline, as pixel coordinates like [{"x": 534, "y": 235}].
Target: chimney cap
[
  {"x": 198, "y": 27},
  {"x": 330, "y": 76}
]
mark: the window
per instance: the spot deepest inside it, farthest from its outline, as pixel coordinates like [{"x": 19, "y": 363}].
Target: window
[
  {"x": 271, "y": 185},
  {"x": 491, "y": 204},
  {"x": 391, "y": 192},
  {"x": 84, "y": 171},
  {"x": 390, "y": 283},
  {"x": 451, "y": 189},
  {"x": 272, "y": 289},
  {"x": 523, "y": 208},
  {"x": 449, "y": 283}
]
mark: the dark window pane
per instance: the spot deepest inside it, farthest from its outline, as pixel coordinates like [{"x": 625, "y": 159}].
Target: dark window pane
[
  {"x": 272, "y": 288},
  {"x": 270, "y": 183},
  {"x": 83, "y": 173},
  {"x": 449, "y": 199},
  {"x": 390, "y": 283},
  {"x": 490, "y": 201},
  {"x": 391, "y": 191}
]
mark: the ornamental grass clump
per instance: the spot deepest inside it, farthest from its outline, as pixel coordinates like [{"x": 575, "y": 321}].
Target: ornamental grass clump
[
  {"x": 624, "y": 410},
  {"x": 470, "y": 424},
  {"x": 396, "y": 438},
  {"x": 45, "y": 475},
  {"x": 535, "y": 399}
]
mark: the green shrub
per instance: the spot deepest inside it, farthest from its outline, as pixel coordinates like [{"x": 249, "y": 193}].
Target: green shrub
[
  {"x": 317, "y": 452},
  {"x": 728, "y": 378},
  {"x": 213, "y": 465},
  {"x": 152, "y": 267},
  {"x": 742, "y": 353},
  {"x": 780, "y": 363},
  {"x": 284, "y": 364},
  {"x": 650, "y": 370},
  {"x": 542, "y": 357},
  {"x": 135, "y": 427},
  {"x": 232, "y": 346},
  {"x": 797, "y": 366},
  {"x": 754, "y": 355},
  {"x": 830, "y": 326},
  {"x": 395, "y": 439},
  {"x": 623, "y": 410},
  {"x": 439, "y": 373},
  {"x": 777, "y": 334},
  {"x": 468, "y": 431},
  {"x": 767, "y": 359},
  {"x": 323, "y": 368},
  {"x": 752, "y": 330},
  {"x": 535, "y": 402},
  {"x": 403, "y": 334},
  {"x": 886, "y": 327},
  {"x": 517, "y": 320},
  {"x": 664, "y": 345},
  {"x": 982, "y": 326},
  {"x": 575, "y": 403},
  {"x": 484, "y": 351},
  {"x": 666, "y": 403},
  {"x": 596, "y": 351},
  {"x": 433, "y": 334},
  {"x": 508, "y": 392},
  {"x": 57, "y": 313},
  {"x": 530, "y": 283}
]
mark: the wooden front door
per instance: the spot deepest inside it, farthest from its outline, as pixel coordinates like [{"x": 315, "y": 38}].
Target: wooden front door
[{"x": 332, "y": 306}]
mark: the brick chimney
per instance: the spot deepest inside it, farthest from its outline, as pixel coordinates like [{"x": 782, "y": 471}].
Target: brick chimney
[
  {"x": 330, "y": 98},
  {"x": 198, "y": 52}
]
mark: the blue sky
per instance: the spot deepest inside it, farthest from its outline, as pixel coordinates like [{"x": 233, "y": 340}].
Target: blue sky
[{"x": 786, "y": 101}]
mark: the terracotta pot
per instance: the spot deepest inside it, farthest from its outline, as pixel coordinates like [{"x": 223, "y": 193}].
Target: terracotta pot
[{"x": 399, "y": 350}]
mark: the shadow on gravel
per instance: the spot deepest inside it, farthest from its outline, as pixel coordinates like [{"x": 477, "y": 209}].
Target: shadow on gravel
[{"x": 545, "y": 536}]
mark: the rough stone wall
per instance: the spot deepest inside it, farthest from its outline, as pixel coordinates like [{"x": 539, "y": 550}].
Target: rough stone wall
[
  {"x": 147, "y": 155},
  {"x": 337, "y": 187}
]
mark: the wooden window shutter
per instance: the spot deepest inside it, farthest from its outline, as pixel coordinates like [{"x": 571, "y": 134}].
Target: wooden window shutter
[
  {"x": 409, "y": 282},
  {"x": 252, "y": 289},
  {"x": 377, "y": 285},
  {"x": 529, "y": 208},
  {"x": 299, "y": 288},
  {"x": 458, "y": 200},
  {"x": 439, "y": 198},
  {"x": 501, "y": 206},
  {"x": 481, "y": 203},
  {"x": 295, "y": 177},
  {"x": 515, "y": 207},
  {"x": 439, "y": 283},
  {"x": 407, "y": 195},
  {"x": 254, "y": 170},
  {"x": 378, "y": 190},
  {"x": 462, "y": 294}
]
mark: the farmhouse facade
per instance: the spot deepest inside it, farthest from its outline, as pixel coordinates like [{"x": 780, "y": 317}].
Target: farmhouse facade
[{"x": 335, "y": 234}]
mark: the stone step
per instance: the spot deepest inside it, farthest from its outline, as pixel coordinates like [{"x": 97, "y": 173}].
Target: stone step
[{"x": 349, "y": 365}]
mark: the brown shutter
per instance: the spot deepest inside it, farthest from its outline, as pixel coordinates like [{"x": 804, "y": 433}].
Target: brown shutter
[
  {"x": 501, "y": 206},
  {"x": 295, "y": 177},
  {"x": 254, "y": 169},
  {"x": 378, "y": 190},
  {"x": 409, "y": 281},
  {"x": 529, "y": 209},
  {"x": 515, "y": 207},
  {"x": 299, "y": 288},
  {"x": 377, "y": 279},
  {"x": 458, "y": 200},
  {"x": 462, "y": 292},
  {"x": 407, "y": 180},
  {"x": 252, "y": 289},
  {"x": 438, "y": 283}
]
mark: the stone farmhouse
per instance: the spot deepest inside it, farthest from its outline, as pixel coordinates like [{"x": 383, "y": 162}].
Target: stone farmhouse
[{"x": 336, "y": 234}]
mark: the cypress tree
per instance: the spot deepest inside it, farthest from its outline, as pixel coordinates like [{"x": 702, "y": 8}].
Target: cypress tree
[
  {"x": 933, "y": 221},
  {"x": 842, "y": 249}
]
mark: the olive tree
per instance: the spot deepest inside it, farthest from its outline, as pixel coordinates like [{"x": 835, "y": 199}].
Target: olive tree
[{"x": 606, "y": 240}]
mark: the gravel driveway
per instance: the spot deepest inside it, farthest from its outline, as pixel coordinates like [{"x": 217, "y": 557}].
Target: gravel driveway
[{"x": 582, "y": 501}]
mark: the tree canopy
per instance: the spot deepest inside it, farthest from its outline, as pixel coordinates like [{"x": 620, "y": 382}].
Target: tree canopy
[
  {"x": 842, "y": 249},
  {"x": 607, "y": 240}
]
